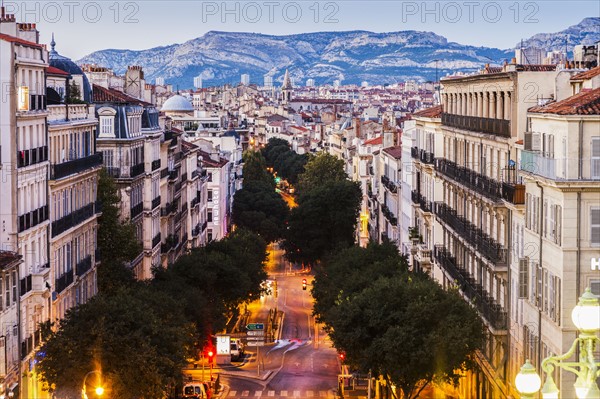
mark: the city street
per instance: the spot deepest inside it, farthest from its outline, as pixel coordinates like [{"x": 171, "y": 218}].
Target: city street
[{"x": 302, "y": 362}]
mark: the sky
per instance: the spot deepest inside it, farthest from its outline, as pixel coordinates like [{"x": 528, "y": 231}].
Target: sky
[{"x": 81, "y": 27}]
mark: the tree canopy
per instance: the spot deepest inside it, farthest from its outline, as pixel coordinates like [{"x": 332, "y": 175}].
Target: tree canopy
[
  {"x": 255, "y": 168},
  {"x": 325, "y": 219},
  {"x": 137, "y": 337},
  {"x": 257, "y": 207},
  {"x": 321, "y": 169},
  {"x": 116, "y": 239},
  {"x": 402, "y": 326}
]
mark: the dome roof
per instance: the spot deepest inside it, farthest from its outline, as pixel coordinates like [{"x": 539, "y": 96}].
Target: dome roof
[
  {"x": 66, "y": 64},
  {"x": 177, "y": 103}
]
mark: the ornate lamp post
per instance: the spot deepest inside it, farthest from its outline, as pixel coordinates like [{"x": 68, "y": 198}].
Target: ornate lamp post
[
  {"x": 99, "y": 389},
  {"x": 586, "y": 317}
]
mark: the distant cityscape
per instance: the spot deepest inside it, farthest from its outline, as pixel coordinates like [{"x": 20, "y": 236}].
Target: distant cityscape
[{"x": 488, "y": 181}]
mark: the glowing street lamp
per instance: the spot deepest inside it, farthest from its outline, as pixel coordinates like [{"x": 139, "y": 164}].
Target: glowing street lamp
[
  {"x": 586, "y": 317},
  {"x": 99, "y": 389}
]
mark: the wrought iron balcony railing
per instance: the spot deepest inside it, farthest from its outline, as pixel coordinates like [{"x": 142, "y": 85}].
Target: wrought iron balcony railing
[{"x": 497, "y": 127}]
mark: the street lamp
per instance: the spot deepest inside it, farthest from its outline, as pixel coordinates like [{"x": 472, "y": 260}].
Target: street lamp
[
  {"x": 586, "y": 317},
  {"x": 99, "y": 389}
]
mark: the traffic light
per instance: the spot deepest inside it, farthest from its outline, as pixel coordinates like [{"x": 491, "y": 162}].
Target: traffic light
[
  {"x": 304, "y": 284},
  {"x": 210, "y": 354},
  {"x": 342, "y": 357}
]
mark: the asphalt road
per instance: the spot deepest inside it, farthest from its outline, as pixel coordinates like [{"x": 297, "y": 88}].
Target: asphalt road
[{"x": 302, "y": 364}]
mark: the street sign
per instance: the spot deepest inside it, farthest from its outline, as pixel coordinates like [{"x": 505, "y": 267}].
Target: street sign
[
  {"x": 255, "y": 326},
  {"x": 258, "y": 333},
  {"x": 256, "y": 343},
  {"x": 255, "y": 338}
]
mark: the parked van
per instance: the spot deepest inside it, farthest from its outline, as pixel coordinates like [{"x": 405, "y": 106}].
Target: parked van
[
  {"x": 237, "y": 349},
  {"x": 197, "y": 390}
]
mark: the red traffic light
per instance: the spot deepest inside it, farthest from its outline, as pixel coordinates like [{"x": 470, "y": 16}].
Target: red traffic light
[
  {"x": 210, "y": 353},
  {"x": 342, "y": 356},
  {"x": 303, "y": 281}
]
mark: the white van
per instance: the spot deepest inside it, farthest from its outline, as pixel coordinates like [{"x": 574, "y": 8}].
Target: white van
[
  {"x": 237, "y": 349},
  {"x": 196, "y": 390}
]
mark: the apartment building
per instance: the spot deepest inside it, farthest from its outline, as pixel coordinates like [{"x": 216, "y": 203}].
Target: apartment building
[
  {"x": 556, "y": 235},
  {"x": 483, "y": 116},
  {"x": 24, "y": 207},
  {"x": 74, "y": 166},
  {"x": 389, "y": 170},
  {"x": 10, "y": 360}
]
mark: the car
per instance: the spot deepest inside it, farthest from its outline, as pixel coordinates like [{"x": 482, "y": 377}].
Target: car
[
  {"x": 237, "y": 349},
  {"x": 197, "y": 390}
]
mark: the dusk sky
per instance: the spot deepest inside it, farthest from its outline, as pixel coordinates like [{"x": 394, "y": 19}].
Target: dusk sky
[{"x": 81, "y": 27}]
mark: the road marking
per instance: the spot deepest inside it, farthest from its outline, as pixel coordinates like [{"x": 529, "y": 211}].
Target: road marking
[
  {"x": 296, "y": 394},
  {"x": 258, "y": 393},
  {"x": 283, "y": 393},
  {"x": 271, "y": 393},
  {"x": 245, "y": 393},
  {"x": 232, "y": 393},
  {"x": 309, "y": 394},
  {"x": 323, "y": 394}
]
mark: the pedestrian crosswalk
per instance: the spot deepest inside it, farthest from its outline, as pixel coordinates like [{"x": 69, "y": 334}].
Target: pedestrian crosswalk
[{"x": 280, "y": 394}]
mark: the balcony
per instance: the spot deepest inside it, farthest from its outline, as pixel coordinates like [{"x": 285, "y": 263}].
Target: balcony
[
  {"x": 483, "y": 302},
  {"x": 204, "y": 226},
  {"x": 37, "y": 102},
  {"x": 156, "y": 240},
  {"x": 423, "y": 203},
  {"x": 136, "y": 170},
  {"x": 60, "y": 170},
  {"x": 196, "y": 230},
  {"x": 170, "y": 243},
  {"x": 497, "y": 127},
  {"x": 83, "y": 266},
  {"x": 390, "y": 185},
  {"x": 72, "y": 219},
  {"x": 173, "y": 174},
  {"x": 414, "y": 152},
  {"x": 70, "y": 112},
  {"x": 474, "y": 236},
  {"x": 155, "y": 164},
  {"x": 184, "y": 207},
  {"x": 137, "y": 210},
  {"x": 156, "y": 202},
  {"x": 194, "y": 202},
  {"x": 475, "y": 181},
  {"x": 178, "y": 186},
  {"x": 195, "y": 174},
  {"x": 168, "y": 209},
  {"x": 63, "y": 282},
  {"x": 164, "y": 173},
  {"x": 33, "y": 218},
  {"x": 426, "y": 157},
  {"x": 513, "y": 193},
  {"x": 533, "y": 162},
  {"x": 389, "y": 215},
  {"x": 32, "y": 156},
  {"x": 184, "y": 177},
  {"x": 414, "y": 196}
]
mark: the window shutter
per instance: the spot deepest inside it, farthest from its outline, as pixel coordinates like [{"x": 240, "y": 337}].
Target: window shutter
[
  {"x": 535, "y": 142},
  {"x": 595, "y": 227},
  {"x": 595, "y": 166},
  {"x": 523, "y": 277},
  {"x": 552, "y": 223}
]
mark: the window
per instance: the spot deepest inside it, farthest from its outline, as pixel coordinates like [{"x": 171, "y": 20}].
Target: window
[
  {"x": 595, "y": 166},
  {"x": 7, "y": 289},
  {"x": 209, "y": 216},
  {"x": 209, "y": 235},
  {"x": 595, "y": 227},
  {"x": 14, "y": 286},
  {"x": 523, "y": 277},
  {"x": 106, "y": 126},
  {"x": 595, "y": 287},
  {"x": 209, "y": 197}
]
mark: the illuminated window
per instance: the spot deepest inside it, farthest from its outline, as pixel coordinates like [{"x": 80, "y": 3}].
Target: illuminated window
[{"x": 23, "y": 98}]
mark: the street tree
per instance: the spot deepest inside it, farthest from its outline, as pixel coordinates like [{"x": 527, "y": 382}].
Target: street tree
[
  {"x": 116, "y": 241},
  {"x": 321, "y": 169},
  {"x": 136, "y": 336},
  {"x": 273, "y": 149},
  {"x": 325, "y": 219},
  {"x": 255, "y": 168},
  {"x": 402, "y": 326},
  {"x": 258, "y": 208}
]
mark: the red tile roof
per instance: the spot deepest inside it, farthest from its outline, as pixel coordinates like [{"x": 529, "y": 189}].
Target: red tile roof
[
  {"x": 102, "y": 94},
  {"x": 7, "y": 257},
  {"x": 12, "y": 39},
  {"x": 207, "y": 161},
  {"x": 55, "y": 71},
  {"x": 584, "y": 103},
  {"x": 395, "y": 152},
  {"x": 587, "y": 74},
  {"x": 376, "y": 141},
  {"x": 433, "y": 112}
]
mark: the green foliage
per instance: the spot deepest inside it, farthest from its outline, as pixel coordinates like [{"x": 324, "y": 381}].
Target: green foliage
[
  {"x": 287, "y": 163},
  {"x": 116, "y": 239},
  {"x": 402, "y": 326},
  {"x": 257, "y": 207},
  {"x": 321, "y": 169},
  {"x": 324, "y": 220},
  {"x": 74, "y": 95},
  {"x": 137, "y": 337},
  {"x": 255, "y": 168},
  {"x": 211, "y": 281}
]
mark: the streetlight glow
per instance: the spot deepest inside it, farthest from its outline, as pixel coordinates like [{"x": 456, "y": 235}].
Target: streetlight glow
[
  {"x": 549, "y": 390},
  {"x": 99, "y": 391},
  {"x": 528, "y": 381},
  {"x": 586, "y": 315}
]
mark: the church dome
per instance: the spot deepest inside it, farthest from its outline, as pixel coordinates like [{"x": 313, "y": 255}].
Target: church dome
[
  {"x": 66, "y": 64},
  {"x": 177, "y": 103}
]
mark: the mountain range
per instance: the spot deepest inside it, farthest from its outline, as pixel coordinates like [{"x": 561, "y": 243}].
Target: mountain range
[{"x": 351, "y": 56}]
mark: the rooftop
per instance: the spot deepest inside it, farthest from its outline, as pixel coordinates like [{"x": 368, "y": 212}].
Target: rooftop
[
  {"x": 103, "y": 95},
  {"x": 395, "y": 152},
  {"x": 433, "y": 112},
  {"x": 584, "y": 103},
  {"x": 587, "y": 74}
]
